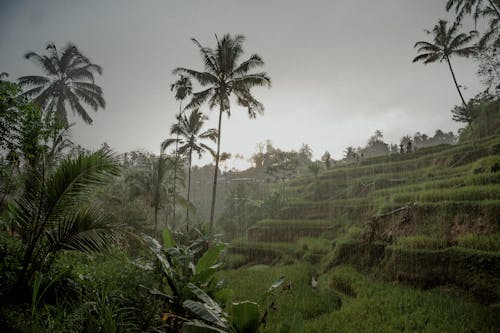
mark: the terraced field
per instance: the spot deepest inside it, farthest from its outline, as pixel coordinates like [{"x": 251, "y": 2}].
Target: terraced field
[
  {"x": 428, "y": 219},
  {"x": 451, "y": 189}
]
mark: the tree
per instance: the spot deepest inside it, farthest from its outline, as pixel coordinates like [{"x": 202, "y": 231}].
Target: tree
[
  {"x": 376, "y": 137},
  {"x": 447, "y": 42},
  {"x": 189, "y": 138},
  {"x": 326, "y": 158},
  {"x": 491, "y": 37},
  {"x": 11, "y": 106},
  {"x": 489, "y": 43},
  {"x": 148, "y": 177},
  {"x": 306, "y": 152},
  {"x": 489, "y": 69},
  {"x": 463, "y": 113},
  {"x": 350, "y": 154},
  {"x": 69, "y": 81},
  {"x": 183, "y": 88},
  {"x": 54, "y": 212},
  {"x": 224, "y": 78},
  {"x": 474, "y": 7}
]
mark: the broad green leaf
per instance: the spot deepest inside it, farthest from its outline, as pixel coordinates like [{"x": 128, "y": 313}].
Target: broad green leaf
[
  {"x": 203, "y": 276},
  {"x": 202, "y": 296},
  {"x": 209, "y": 258},
  {"x": 224, "y": 296},
  {"x": 168, "y": 240},
  {"x": 203, "y": 311},
  {"x": 246, "y": 317},
  {"x": 293, "y": 324}
]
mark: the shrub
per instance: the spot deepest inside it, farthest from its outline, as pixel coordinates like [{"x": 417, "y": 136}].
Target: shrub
[{"x": 10, "y": 261}]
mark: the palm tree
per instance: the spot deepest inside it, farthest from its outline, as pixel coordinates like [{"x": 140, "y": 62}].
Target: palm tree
[
  {"x": 189, "y": 131},
  {"x": 148, "y": 179},
  {"x": 69, "y": 81},
  {"x": 492, "y": 34},
  {"x": 474, "y": 7},
  {"x": 224, "y": 77},
  {"x": 488, "y": 10},
  {"x": 183, "y": 88},
  {"x": 54, "y": 213},
  {"x": 447, "y": 42}
]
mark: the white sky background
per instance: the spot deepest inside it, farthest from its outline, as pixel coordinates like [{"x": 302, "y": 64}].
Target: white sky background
[{"x": 340, "y": 69}]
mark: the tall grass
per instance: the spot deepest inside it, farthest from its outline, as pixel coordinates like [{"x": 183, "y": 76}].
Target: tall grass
[{"x": 383, "y": 307}]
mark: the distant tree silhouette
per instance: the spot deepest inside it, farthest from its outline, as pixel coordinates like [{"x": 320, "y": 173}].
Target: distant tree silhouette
[
  {"x": 69, "y": 81},
  {"x": 306, "y": 152},
  {"x": 189, "y": 134},
  {"x": 446, "y": 43},
  {"x": 326, "y": 158},
  {"x": 223, "y": 78}
]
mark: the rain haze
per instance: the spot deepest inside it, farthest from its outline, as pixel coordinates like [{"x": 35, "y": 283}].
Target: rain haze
[{"x": 340, "y": 69}]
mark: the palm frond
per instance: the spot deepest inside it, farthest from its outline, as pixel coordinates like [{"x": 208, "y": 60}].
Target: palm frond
[
  {"x": 254, "y": 61},
  {"x": 77, "y": 107},
  {"x": 32, "y": 80},
  {"x": 207, "y": 55},
  {"x": 199, "y": 98},
  {"x": 86, "y": 230},
  {"x": 203, "y": 78},
  {"x": 167, "y": 143},
  {"x": 252, "y": 80},
  {"x": 43, "y": 61}
]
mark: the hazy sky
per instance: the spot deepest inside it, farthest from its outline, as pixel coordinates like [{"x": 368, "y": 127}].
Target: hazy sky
[{"x": 340, "y": 69}]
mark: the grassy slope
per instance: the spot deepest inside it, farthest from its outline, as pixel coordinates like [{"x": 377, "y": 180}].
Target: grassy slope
[
  {"x": 447, "y": 184},
  {"x": 457, "y": 202},
  {"x": 367, "y": 305}
]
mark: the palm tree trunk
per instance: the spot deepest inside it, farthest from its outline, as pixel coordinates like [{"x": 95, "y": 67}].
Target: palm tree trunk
[
  {"x": 156, "y": 219},
  {"x": 455, "y": 80},
  {"x": 175, "y": 178},
  {"x": 214, "y": 190},
  {"x": 189, "y": 190},
  {"x": 175, "y": 166}
]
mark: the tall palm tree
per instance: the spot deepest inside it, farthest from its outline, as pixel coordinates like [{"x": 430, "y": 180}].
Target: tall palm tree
[
  {"x": 183, "y": 88},
  {"x": 224, "y": 77},
  {"x": 69, "y": 81},
  {"x": 189, "y": 137},
  {"x": 447, "y": 42}
]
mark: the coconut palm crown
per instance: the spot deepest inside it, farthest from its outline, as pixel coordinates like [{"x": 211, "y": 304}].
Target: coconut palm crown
[
  {"x": 68, "y": 81},
  {"x": 447, "y": 42}
]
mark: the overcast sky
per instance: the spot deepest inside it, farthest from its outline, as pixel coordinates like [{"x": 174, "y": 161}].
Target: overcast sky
[{"x": 340, "y": 69}]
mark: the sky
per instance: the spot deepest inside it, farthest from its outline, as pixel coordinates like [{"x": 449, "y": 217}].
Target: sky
[{"x": 340, "y": 69}]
